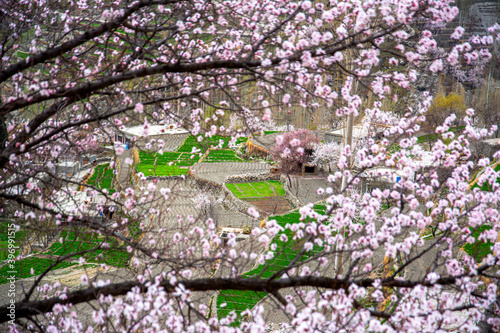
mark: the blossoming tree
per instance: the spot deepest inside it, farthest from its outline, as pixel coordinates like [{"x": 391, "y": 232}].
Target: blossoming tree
[
  {"x": 294, "y": 149},
  {"x": 426, "y": 259}
]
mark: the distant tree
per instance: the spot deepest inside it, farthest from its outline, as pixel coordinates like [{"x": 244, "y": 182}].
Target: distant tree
[
  {"x": 294, "y": 149},
  {"x": 441, "y": 108}
]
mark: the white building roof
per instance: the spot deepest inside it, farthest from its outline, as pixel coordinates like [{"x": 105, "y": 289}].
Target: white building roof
[
  {"x": 493, "y": 142},
  {"x": 68, "y": 164},
  {"x": 426, "y": 160},
  {"x": 78, "y": 202},
  {"x": 357, "y": 131},
  {"x": 138, "y": 131}
]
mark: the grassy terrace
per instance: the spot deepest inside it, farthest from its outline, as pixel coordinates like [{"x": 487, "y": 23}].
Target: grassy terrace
[
  {"x": 433, "y": 136},
  {"x": 19, "y": 237},
  {"x": 239, "y": 301},
  {"x": 102, "y": 178},
  {"x": 178, "y": 162},
  {"x": 271, "y": 188},
  {"x": 223, "y": 155},
  {"x": 166, "y": 164},
  {"x": 72, "y": 242},
  {"x": 114, "y": 256},
  {"x": 23, "y": 268}
]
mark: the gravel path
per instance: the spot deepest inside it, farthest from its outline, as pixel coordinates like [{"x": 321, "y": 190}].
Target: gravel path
[{"x": 218, "y": 172}]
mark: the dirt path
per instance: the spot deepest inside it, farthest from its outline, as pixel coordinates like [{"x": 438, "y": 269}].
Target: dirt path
[{"x": 123, "y": 176}]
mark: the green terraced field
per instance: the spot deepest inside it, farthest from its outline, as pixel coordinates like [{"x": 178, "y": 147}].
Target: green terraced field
[
  {"x": 223, "y": 155},
  {"x": 239, "y": 301},
  {"x": 166, "y": 164},
  {"x": 19, "y": 237},
  {"x": 72, "y": 243},
  {"x": 271, "y": 188},
  {"x": 23, "y": 268},
  {"x": 102, "y": 178},
  {"x": 486, "y": 185},
  {"x": 115, "y": 255}
]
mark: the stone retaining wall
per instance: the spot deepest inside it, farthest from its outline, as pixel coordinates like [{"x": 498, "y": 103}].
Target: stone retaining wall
[
  {"x": 229, "y": 199},
  {"x": 165, "y": 177},
  {"x": 246, "y": 178}
]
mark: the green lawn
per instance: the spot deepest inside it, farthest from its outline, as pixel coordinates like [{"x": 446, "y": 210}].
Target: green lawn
[
  {"x": 239, "y": 301},
  {"x": 23, "y": 267},
  {"x": 270, "y": 188},
  {"x": 19, "y": 237},
  {"x": 223, "y": 155},
  {"x": 166, "y": 164},
  {"x": 72, "y": 242},
  {"x": 116, "y": 255},
  {"x": 102, "y": 178}
]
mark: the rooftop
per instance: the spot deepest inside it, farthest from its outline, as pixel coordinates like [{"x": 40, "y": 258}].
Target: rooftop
[
  {"x": 78, "y": 202},
  {"x": 493, "y": 142},
  {"x": 138, "y": 131}
]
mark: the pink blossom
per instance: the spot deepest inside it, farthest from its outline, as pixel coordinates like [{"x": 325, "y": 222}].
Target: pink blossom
[
  {"x": 457, "y": 34},
  {"x": 253, "y": 212},
  {"x": 139, "y": 108}
]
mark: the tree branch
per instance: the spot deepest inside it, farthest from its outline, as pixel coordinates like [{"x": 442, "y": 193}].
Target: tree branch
[
  {"x": 85, "y": 37},
  {"x": 26, "y": 309}
]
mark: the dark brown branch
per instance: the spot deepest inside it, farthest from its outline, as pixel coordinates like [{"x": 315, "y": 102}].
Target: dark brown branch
[{"x": 25, "y": 309}]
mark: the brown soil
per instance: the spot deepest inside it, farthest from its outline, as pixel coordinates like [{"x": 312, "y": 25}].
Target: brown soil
[{"x": 272, "y": 205}]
